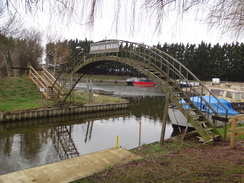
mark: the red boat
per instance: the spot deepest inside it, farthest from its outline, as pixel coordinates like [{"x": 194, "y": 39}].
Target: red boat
[{"x": 144, "y": 82}]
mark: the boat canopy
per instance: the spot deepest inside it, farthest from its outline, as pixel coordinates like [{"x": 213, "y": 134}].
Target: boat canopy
[{"x": 214, "y": 104}]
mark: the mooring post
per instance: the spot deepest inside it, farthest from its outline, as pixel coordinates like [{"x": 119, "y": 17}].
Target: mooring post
[
  {"x": 91, "y": 91},
  {"x": 165, "y": 114},
  {"x": 233, "y": 134},
  {"x": 140, "y": 133},
  {"x": 117, "y": 142}
]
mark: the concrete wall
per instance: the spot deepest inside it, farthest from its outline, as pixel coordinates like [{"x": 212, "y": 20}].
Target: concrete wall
[{"x": 48, "y": 112}]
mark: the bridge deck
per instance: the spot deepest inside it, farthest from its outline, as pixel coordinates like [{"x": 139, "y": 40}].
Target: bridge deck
[{"x": 71, "y": 169}]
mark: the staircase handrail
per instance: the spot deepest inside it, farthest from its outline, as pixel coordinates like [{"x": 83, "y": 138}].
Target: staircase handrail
[
  {"x": 33, "y": 72},
  {"x": 160, "y": 58},
  {"x": 51, "y": 80},
  {"x": 48, "y": 75},
  {"x": 173, "y": 68}
]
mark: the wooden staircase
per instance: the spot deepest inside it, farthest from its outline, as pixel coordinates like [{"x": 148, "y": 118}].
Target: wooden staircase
[
  {"x": 194, "y": 116},
  {"x": 44, "y": 81}
]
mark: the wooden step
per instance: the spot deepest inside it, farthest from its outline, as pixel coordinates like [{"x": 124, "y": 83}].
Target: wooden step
[
  {"x": 177, "y": 92},
  {"x": 214, "y": 135},
  {"x": 191, "y": 109},
  {"x": 193, "y": 132},
  {"x": 185, "y": 103},
  {"x": 203, "y": 122},
  {"x": 208, "y": 129},
  {"x": 162, "y": 77},
  {"x": 197, "y": 115}
]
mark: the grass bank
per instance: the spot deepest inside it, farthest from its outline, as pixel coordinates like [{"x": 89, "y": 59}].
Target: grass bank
[
  {"x": 178, "y": 161},
  {"x": 19, "y": 93}
]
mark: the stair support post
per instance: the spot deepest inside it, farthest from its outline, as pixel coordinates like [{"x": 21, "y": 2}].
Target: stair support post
[{"x": 165, "y": 115}]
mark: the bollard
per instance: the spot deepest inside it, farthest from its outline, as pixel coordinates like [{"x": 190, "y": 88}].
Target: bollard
[{"x": 117, "y": 142}]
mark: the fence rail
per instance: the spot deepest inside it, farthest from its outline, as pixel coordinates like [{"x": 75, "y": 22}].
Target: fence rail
[{"x": 235, "y": 131}]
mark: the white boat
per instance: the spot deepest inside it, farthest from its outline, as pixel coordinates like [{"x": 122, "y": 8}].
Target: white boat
[
  {"x": 235, "y": 97},
  {"x": 179, "y": 120}
]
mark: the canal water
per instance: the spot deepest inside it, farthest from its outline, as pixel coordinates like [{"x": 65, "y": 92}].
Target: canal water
[{"x": 31, "y": 143}]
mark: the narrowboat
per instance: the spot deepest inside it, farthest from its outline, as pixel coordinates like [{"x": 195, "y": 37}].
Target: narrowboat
[{"x": 143, "y": 82}]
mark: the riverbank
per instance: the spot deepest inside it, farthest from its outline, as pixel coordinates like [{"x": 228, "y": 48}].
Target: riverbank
[
  {"x": 71, "y": 169},
  {"x": 21, "y": 100},
  {"x": 19, "y": 93},
  {"x": 178, "y": 161},
  {"x": 68, "y": 109}
]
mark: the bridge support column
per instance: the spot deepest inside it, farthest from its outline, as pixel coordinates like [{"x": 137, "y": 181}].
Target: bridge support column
[{"x": 165, "y": 114}]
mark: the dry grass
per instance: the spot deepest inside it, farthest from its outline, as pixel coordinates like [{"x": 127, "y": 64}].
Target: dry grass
[{"x": 177, "y": 161}]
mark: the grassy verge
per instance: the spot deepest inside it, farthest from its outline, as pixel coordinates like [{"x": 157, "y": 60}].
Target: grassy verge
[
  {"x": 178, "y": 161},
  {"x": 222, "y": 131},
  {"x": 20, "y": 93}
]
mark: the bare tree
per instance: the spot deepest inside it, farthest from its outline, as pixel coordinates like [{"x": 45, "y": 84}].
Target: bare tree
[
  {"x": 10, "y": 24},
  {"x": 229, "y": 16},
  {"x": 224, "y": 14},
  {"x": 60, "y": 53},
  {"x": 29, "y": 44}
]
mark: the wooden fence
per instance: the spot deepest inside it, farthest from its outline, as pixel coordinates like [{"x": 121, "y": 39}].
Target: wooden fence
[{"x": 234, "y": 131}]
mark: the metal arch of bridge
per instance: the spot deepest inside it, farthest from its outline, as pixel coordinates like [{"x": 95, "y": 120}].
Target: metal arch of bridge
[{"x": 167, "y": 72}]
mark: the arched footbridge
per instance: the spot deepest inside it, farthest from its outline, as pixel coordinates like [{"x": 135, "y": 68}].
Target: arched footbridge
[{"x": 163, "y": 69}]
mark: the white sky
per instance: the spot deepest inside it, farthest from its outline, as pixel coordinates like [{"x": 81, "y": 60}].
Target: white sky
[{"x": 186, "y": 30}]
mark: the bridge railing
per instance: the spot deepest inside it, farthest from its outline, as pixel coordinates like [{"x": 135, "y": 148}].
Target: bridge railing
[
  {"x": 151, "y": 56},
  {"x": 172, "y": 68}
]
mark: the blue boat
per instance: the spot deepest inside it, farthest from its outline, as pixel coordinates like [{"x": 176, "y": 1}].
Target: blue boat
[{"x": 178, "y": 119}]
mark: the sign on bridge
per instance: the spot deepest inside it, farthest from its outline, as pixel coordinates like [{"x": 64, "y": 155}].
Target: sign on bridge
[{"x": 104, "y": 47}]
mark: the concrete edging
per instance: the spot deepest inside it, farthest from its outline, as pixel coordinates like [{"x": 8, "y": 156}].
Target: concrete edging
[
  {"x": 72, "y": 169},
  {"x": 48, "y": 112}
]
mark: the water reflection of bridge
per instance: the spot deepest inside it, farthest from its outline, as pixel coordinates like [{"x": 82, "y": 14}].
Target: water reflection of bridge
[
  {"x": 63, "y": 142},
  {"x": 61, "y": 132}
]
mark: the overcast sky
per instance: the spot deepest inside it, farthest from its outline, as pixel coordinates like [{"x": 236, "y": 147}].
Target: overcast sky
[{"x": 188, "y": 29}]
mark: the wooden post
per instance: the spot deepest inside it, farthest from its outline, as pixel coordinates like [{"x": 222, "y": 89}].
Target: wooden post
[
  {"x": 9, "y": 66},
  {"x": 88, "y": 90},
  {"x": 165, "y": 114},
  {"x": 233, "y": 135},
  {"x": 91, "y": 91},
  {"x": 140, "y": 133}
]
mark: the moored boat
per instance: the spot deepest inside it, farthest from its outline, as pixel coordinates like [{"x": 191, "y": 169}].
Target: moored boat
[
  {"x": 179, "y": 120},
  {"x": 143, "y": 82},
  {"x": 235, "y": 97},
  {"x": 130, "y": 81}
]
